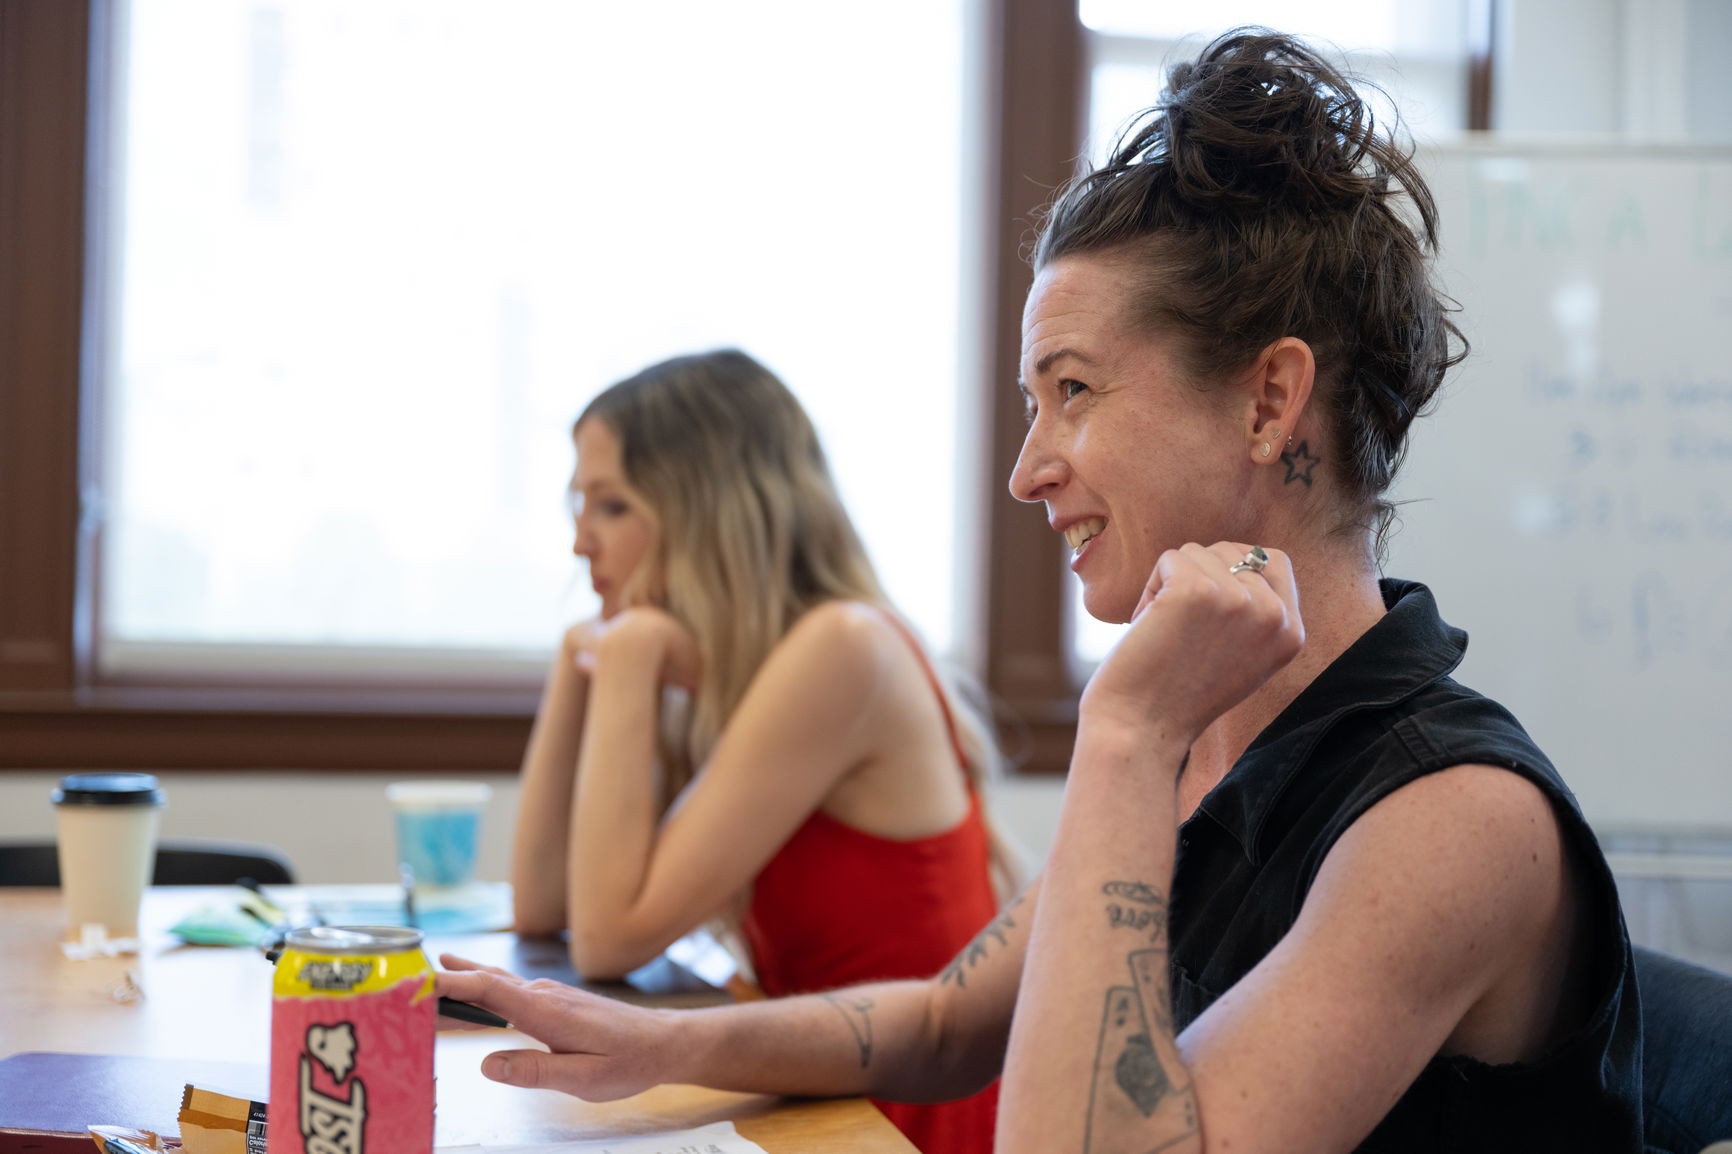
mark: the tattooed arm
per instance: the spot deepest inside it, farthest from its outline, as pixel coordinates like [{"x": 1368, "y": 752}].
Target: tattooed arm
[
  {"x": 1442, "y": 921},
  {"x": 914, "y": 1041},
  {"x": 928, "y": 1041},
  {"x": 1094, "y": 992}
]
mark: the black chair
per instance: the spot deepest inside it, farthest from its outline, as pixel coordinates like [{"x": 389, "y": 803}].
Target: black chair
[
  {"x": 178, "y": 863},
  {"x": 1686, "y": 1053}
]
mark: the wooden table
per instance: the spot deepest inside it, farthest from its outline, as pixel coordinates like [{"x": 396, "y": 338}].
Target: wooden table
[{"x": 204, "y": 1003}]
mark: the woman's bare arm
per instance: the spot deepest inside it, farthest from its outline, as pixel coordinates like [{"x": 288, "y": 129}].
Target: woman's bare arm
[
  {"x": 912, "y": 1041},
  {"x": 547, "y": 784},
  {"x": 810, "y": 715}
]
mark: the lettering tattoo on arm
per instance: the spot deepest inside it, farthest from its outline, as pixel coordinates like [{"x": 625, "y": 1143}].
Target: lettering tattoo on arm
[
  {"x": 1139, "y": 908},
  {"x": 974, "y": 952},
  {"x": 857, "y": 1012},
  {"x": 1135, "y": 891}
]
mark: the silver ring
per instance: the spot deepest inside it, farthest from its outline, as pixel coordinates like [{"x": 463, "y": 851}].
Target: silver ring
[{"x": 1254, "y": 561}]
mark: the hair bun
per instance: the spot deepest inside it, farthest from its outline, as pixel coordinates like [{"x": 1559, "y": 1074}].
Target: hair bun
[{"x": 1259, "y": 119}]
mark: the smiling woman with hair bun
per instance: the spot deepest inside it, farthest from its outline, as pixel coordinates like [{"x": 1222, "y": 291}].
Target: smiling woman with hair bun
[
  {"x": 1371, "y": 914},
  {"x": 1307, "y": 893}
]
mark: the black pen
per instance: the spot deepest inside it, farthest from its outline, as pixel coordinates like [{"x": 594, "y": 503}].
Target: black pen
[
  {"x": 259, "y": 918},
  {"x": 407, "y": 880},
  {"x": 475, "y": 1015}
]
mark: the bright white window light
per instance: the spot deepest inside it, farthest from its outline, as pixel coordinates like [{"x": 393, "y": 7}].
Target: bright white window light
[
  {"x": 373, "y": 258},
  {"x": 1413, "y": 27}
]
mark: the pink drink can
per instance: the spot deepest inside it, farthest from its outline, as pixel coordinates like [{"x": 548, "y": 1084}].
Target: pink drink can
[{"x": 352, "y": 1021}]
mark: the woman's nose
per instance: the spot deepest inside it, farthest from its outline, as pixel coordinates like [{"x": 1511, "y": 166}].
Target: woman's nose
[{"x": 1038, "y": 469}]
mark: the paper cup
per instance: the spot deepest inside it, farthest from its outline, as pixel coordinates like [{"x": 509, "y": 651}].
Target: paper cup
[
  {"x": 106, "y": 825},
  {"x": 438, "y": 829}
]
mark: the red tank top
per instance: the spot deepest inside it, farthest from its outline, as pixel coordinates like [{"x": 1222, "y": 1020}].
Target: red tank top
[{"x": 837, "y": 906}]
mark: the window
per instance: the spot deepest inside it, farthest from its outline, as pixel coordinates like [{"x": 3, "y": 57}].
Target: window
[
  {"x": 368, "y": 261},
  {"x": 67, "y": 329}
]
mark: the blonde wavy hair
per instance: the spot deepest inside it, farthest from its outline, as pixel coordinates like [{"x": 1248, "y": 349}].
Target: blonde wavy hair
[{"x": 753, "y": 535}]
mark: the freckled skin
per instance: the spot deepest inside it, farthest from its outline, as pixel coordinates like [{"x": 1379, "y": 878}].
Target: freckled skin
[{"x": 1117, "y": 433}]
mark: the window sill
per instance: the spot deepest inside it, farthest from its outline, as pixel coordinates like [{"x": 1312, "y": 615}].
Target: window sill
[
  {"x": 246, "y": 728},
  {"x": 376, "y": 729}
]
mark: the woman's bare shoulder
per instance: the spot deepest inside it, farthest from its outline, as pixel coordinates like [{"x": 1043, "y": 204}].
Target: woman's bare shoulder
[
  {"x": 851, "y": 625},
  {"x": 845, "y": 643}
]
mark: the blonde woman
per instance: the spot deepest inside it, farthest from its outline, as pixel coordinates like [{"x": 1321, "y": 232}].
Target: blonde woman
[{"x": 748, "y": 731}]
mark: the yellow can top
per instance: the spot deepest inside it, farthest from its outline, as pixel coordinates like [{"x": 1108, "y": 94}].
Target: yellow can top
[{"x": 342, "y": 961}]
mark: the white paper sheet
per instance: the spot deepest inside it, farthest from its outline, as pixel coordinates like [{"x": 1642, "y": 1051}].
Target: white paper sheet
[{"x": 717, "y": 1138}]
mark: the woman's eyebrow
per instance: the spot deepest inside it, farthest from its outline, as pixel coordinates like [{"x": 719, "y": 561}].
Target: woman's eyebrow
[
  {"x": 600, "y": 487},
  {"x": 1047, "y": 362},
  {"x": 1041, "y": 366}
]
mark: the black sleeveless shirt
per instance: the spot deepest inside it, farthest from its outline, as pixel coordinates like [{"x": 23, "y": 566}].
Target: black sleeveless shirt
[{"x": 1382, "y": 715}]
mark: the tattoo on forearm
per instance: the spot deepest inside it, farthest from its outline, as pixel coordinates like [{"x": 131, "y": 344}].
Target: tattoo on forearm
[
  {"x": 1137, "y": 1074},
  {"x": 1149, "y": 972},
  {"x": 1152, "y": 922},
  {"x": 1142, "y": 909},
  {"x": 973, "y": 953},
  {"x": 857, "y": 1012},
  {"x": 1299, "y": 462}
]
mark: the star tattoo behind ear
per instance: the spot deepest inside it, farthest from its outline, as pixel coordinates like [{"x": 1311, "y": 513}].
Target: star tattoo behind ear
[{"x": 1299, "y": 463}]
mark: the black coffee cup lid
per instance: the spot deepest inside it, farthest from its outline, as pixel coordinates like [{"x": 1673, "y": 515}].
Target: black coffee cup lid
[{"x": 108, "y": 789}]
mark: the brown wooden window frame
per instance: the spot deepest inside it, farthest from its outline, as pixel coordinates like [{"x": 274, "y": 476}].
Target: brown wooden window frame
[{"x": 58, "y": 713}]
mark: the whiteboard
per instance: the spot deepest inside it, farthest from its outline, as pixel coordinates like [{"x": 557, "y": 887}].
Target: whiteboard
[{"x": 1572, "y": 494}]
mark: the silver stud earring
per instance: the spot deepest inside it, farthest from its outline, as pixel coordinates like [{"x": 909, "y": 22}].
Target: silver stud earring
[{"x": 1265, "y": 449}]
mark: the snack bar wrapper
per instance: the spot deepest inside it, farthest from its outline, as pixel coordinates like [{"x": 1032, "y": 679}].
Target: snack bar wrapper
[
  {"x": 214, "y": 1123},
  {"x": 211, "y": 1122}
]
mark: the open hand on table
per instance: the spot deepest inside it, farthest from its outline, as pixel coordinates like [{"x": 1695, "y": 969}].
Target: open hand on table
[{"x": 601, "y": 1048}]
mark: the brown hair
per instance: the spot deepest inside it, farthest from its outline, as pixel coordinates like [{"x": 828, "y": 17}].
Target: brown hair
[{"x": 1258, "y": 199}]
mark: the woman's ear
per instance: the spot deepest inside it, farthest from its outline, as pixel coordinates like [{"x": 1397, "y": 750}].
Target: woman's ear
[{"x": 1279, "y": 387}]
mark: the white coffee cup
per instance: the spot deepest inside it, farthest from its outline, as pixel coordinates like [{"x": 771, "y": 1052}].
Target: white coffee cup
[{"x": 107, "y": 825}]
